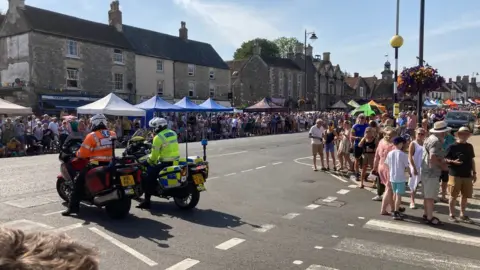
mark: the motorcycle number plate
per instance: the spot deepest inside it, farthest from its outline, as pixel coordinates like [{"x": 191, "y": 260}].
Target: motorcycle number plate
[
  {"x": 198, "y": 179},
  {"x": 127, "y": 180}
]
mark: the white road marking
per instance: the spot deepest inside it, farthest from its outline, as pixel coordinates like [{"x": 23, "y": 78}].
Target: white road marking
[
  {"x": 230, "y": 174},
  {"x": 53, "y": 213},
  {"x": 312, "y": 206},
  {"x": 230, "y": 243},
  {"x": 351, "y": 225},
  {"x": 310, "y": 165},
  {"x": 420, "y": 202},
  {"x": 397, "y": 253},
  {"x": 330, "y": 199},
  {"x": 264, "y": 228},
  {"x": 67, "y": 228},
  {"x": 319, "y": 267},
  {"x": 228, "y": 154},
  {"x": 297, "y": 262},
  {"x": 338, "y": 178},
  {"x": 422, "y": 231},
  {"x": 261, "y": 167},
  {"x": 343, "y": 191},
  {"x": 334, "y": 236},
  {"x": 318, "y": 247},
  {"x": 291, "y": 215},
  {"x": 353, "y": 186},
  {"x": 126, "y": 248},
  {"x": 184, "y": 265},
  {"x": 211, "y": 178},
  {"x": 249, "y": 170},
  {"x": 276, "y": 163},
  {"x": 26, "y": 225},
  {"x": 361, "y": 217}
]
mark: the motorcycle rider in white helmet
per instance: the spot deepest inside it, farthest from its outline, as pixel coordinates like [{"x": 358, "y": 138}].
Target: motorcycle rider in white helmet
[
  {"x": 165, "y": 150},
  {"x": 97, "y": 148}
]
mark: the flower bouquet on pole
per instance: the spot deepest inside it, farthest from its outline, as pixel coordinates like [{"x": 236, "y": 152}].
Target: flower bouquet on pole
[{"x": 424, "y": 78}]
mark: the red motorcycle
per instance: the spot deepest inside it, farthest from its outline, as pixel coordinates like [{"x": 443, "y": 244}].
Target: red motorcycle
[{"x": 113, "y": 186}]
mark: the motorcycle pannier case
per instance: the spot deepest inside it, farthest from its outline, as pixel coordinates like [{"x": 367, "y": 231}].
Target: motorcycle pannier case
[
  {"x": 170, "y": 177},
  {"x": 98, "y": 179}
]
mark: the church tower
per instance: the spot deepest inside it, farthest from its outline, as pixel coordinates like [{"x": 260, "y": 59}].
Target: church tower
[{"x": 387, "y": 73}]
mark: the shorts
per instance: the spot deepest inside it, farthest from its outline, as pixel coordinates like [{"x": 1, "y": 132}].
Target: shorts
[
  {"x": 443, "y": 177},
  {"x": 430, "y": 187},
  {"x": 398, "y": 187},
  {"x": 330, "y": 147},
  {"x": 317, "y": 149},
  {"x": 368, "y": 159},
  {"x": 357, "y": 152},
  {"x": 460, "y": 185}
]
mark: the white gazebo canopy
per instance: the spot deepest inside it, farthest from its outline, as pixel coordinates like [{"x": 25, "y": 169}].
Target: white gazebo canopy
[
  {"x": 111, "y": 105},
  {"x": 7, "y": 107}
]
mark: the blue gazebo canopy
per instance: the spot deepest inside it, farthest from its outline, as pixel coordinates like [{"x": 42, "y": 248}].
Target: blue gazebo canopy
[
  {"x": 156, "y": 103},
  {"x": 188, "y": 105},
  {"x": 212, "y": 106}
]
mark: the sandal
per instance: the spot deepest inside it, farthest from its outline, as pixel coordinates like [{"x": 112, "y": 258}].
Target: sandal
[
  {"x": 466, "y": 219},
  {"x": 425, "y": 217},
  {"x": 434, "y": 221},
  {"x": 385, "y": 214},
  {"x": 397, "y": 216},
  {"x": 453, "y": 219}
]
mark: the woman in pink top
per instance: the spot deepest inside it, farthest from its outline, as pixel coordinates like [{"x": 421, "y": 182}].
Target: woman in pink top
[{"x": 384, "y": 147}]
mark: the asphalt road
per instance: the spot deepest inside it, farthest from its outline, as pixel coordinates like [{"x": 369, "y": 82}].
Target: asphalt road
[{"x": 264, "y": 208}]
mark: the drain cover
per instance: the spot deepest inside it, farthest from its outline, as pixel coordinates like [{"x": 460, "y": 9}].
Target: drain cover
[{"x": 329, "y": 201}]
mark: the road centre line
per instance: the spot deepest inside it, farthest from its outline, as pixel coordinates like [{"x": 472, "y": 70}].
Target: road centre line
[
  {"x": 53, "y": 213},
  {"x": 126, "y": 248},
  {"x": 418, "y": 230},
  {"x": 230, "y": 243},
  {"x": 343, "y": 191},
  {"x": 230, "y": 174},
  {"x": 312, "y": 206},
  {"x": 249, "y": 170},
  {"x": 184, "y": 265},
  {"x": 291, "y": 215},
  {"x": 264, "y": 228},
  {"x": 276, "y": 163},
  {"x": 261, "y": 167},
  {"x": 319, "y": 267},
  {"x": 228, "y": 154},
  {"x": 211, "y": 178}
]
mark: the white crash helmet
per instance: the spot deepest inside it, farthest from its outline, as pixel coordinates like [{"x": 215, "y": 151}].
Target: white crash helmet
[
  {"x": 157, "y": 122},
  {"x": 98, "y": 119}
]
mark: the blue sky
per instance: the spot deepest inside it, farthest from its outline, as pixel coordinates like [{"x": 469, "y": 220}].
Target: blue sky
[{"x": 356, "y": 32}]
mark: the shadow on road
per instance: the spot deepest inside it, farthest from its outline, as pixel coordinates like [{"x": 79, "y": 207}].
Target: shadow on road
[
  {"x": 131, "y": 227},
  {"x": 205, "y": 217},
  {"x": 466, "y": 229}
]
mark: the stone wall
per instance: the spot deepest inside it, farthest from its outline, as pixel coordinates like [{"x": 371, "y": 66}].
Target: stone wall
[{"x": 254, "y": 82}]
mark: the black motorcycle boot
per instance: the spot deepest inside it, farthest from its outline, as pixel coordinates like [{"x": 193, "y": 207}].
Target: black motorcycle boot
[
  {"x": 146, "y": 204},
  {"x": 73, "y": 207}
]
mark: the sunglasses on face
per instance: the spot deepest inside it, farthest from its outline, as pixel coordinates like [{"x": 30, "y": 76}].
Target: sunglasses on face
[{"x": 421, "y": 134}]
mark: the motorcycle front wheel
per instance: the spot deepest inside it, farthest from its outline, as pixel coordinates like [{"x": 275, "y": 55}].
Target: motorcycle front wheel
[
  {"x": 190, "y": 201},
  {"x": 63, "y": 189}
]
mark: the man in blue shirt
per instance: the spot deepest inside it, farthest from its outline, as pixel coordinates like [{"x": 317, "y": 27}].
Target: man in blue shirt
[{"x": 358, "y": 131}]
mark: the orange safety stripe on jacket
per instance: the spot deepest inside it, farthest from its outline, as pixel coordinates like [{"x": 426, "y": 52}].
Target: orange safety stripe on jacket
[{"x": 93, "y": 148}]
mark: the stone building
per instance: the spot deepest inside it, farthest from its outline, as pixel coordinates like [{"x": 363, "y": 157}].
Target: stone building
[
  {"x": 329, "y": 86},
  {"x": 259, "y": 76},
  {"x": 58, "y": 61}
]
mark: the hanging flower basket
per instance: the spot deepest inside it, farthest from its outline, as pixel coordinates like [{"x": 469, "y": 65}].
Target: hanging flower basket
[{"x": 426, "y": 78}]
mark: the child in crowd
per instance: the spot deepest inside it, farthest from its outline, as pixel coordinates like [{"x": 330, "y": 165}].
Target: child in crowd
[
  {"x": 368, "y": 144},
  {"x": 397, "y": 162},
  {"x": 13, "y": 147}
]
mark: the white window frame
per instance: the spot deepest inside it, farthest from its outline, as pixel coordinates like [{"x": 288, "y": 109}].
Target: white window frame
[
  {"x": 159, "y": 65},
  {"x": 72, "y": 48},
  {"x": 191, "y": 89},
  {"x": 362, "y": 94},
  {"x": 211, "y": 74},
  {"x": 118, "y": 79},
  {"x": 212, "y": 89},
  {"x": 160, "y": 89},
  {"x": 73, "y": 74},
  {"x": 118, "y": 57},
  {"x": 191, "y": 70}
]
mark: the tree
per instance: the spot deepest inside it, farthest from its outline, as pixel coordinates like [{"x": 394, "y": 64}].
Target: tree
[
  {"x": 268, "y": 47},
  {"x": 347, "y": 74},
  {"x": 285, "y": 45}
]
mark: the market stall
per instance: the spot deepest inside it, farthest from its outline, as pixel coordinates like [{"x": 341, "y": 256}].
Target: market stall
[{"x": 111, "y": 105}]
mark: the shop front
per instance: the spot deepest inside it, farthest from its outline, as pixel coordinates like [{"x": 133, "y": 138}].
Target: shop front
[{"x": 54, "y": 104}]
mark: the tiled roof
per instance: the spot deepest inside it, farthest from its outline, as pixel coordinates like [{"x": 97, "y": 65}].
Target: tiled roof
[
  {"x": 352, "y": 82},
  {"x": 150, "y": 43},
  {"x": 281, "y": 62},
  {"x": 236, "y": 65},
  {"x": 54, "y": 23}
]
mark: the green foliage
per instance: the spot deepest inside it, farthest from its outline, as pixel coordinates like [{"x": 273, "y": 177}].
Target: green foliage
[
  {"x": 286, "y": 44},
  {"x": 268, "y": 47}
]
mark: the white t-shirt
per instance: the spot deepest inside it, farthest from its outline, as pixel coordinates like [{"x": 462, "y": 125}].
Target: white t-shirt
[
  {"x": 397, "y": 162},
  {"x": 316, "y": 132},
  {"x": 53, "y": 127}
]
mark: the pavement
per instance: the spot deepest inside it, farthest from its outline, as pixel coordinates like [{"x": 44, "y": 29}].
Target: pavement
[{"x": 264, "y": 208}]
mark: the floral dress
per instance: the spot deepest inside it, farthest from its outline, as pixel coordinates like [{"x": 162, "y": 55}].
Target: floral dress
[{"x": 381, "y": 153}]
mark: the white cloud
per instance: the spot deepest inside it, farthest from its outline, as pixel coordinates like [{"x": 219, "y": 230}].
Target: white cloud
[
  {"x": 3, "y": 6},
  {"x": 234, "y": 23}
]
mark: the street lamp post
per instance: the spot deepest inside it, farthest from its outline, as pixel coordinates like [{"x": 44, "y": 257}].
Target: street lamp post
[
  {"x": 396, "y": 42},
  {"x": 313, "y": 37},
  {"x": 420, "y": 60}
]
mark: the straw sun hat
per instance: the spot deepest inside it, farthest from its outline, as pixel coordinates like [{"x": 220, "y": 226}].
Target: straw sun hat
[{"x": 440, "y": 127}]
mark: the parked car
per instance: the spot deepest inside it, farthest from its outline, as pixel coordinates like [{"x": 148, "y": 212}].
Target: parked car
[{"x": 458, "y": 119}]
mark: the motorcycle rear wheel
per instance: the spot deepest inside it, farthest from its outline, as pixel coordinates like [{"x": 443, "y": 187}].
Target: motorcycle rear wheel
[
  {"x": 189, "y": 202},
  {"x": 63, "y": 189},
  {"x": 119, "y": 209}
]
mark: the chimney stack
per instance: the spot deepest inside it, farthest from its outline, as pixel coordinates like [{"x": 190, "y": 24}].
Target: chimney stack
[
  {"x": 450, "y": 80},
  {"x": 12, "y": 4},
  {"x": 474, "y": 80},
  {"x": 183, "y": 31},
  {"x": 326, "y": 56},
  {"x": 355, "y": 75},
  {"x": 257, "y": 50},
  {"x": 299, "y": 48},
  {"x": 115, "y": 16},
  {"x": 465, "y": 79},
  {"x": 309, "y": 50},
  {"x": 459, "y": 78}
]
